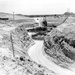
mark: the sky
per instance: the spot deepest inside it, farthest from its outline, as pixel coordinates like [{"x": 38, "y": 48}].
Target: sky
[{"x": 33, "y": 7}]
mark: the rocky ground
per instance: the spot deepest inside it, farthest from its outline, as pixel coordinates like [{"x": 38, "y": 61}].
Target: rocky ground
[
  {"x": 14, "y": 45},
  {"x": 14, "y": 58},
  {"x": 59, "y": 45}
]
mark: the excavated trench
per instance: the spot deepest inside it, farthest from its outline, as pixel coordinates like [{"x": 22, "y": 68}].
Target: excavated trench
[{"x": 60, "y": 46}]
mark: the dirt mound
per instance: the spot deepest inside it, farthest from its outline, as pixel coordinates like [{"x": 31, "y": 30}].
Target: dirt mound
[{"x": 59, "y": 45}]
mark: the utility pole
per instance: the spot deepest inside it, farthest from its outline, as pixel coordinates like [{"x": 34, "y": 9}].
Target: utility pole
[
  {"x": 12, "y": 44},
  {"x": 13, "y": 17}
]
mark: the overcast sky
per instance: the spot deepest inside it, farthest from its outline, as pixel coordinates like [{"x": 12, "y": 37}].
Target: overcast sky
[{"x": 37, "y": 6}]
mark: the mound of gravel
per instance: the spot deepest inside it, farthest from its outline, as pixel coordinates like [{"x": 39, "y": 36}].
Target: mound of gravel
[{"x": 59, "y": 45}]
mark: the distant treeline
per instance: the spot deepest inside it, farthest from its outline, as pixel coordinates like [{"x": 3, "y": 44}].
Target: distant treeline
[
  {"x": 4, "y": 18},
  {"x": 55, "y": 15}
]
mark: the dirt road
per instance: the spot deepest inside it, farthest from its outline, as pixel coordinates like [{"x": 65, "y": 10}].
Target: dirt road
[{"x": 35, "y": 52}]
